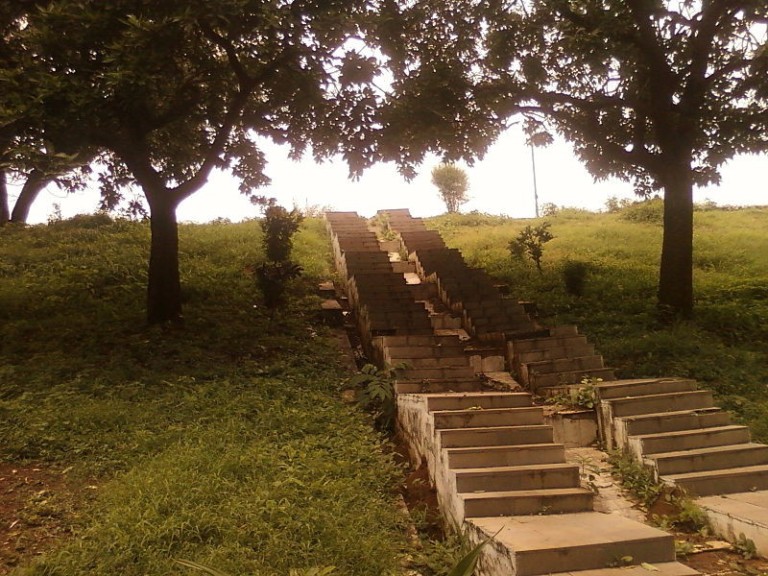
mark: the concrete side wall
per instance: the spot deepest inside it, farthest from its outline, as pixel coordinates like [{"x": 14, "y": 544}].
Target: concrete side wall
[{"x": 416, "y": 426}]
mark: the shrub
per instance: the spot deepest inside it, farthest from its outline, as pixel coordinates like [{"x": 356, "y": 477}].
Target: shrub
[
  {"x": 530, "y": 242},
  {"x": 614, "y": 205},
  {"x": 279, "y": 226},
  {"x": 574, "y": 276},
  {"x": 648, "y": 211}
]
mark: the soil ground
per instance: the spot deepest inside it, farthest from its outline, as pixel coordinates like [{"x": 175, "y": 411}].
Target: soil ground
[{"x": 38, "y": 510}]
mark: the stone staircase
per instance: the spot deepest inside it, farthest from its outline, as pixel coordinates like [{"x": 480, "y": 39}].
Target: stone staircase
[
  {"x": 675, "y": 429},
  {"x": 540, "y": 357},
  {"x": 492, "y": 459}
]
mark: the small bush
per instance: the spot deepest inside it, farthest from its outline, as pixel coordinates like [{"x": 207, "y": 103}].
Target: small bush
[
  {"x": 574, "y": 277},
  {"x": 614, "y": 205},
  {"x": 648, "y": 212},
  {"x": 279, "y": 226},
  {"x": 273, "y": 278},
  {"x": 530, "y": 242}
]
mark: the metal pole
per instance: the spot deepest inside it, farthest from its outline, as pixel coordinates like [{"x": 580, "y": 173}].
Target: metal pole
[{"x": 535, "y": 187}]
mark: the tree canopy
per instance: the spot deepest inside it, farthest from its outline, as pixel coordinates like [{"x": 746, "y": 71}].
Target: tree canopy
[
  {"x": 660, "y": 93},
  {"x": 168, "y": 91},
  {"x": 35, "y": 147}
]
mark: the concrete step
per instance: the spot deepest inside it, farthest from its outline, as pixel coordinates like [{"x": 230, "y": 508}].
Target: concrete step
[
  {"x": 497, "y": 436},
  {"x": 731, "y": 480},
  {"x": 516, "y": 455},
  {"x": 659, "y": 403},
  {"x": 571, "y": 377},
  {"x": 711, "y": 458},
  {"x": 438, "y": 362},
  {"x": 442, "y": 386},
  {"x": 483, "y": 418},
  {"x": 644, "y": 387},
  {"x": 431, "y": 340},
  {"x": 437, "y": 373},
  {"x": 564, "y": 365},
  {"x": 548, "y": 342},
  {"x": 406, "y": 353},
  {"x": 506, "y": 478},
  {"x": 657, "y": 569},
  {"x": 670, "y": 422},
  {"x": 579, "y": 347},
  {"x": 568, "y": 543},
  {"x": 524, "y": 502},
  {"x": 643, "y": 446},
  {"x": 476, "y": 400},
  {"x": 740, "y": 513}
]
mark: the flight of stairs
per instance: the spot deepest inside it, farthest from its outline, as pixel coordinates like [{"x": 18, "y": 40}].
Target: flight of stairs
[
  {"x": 493, "y": 460},
  {"x": 674, "y": 428}
]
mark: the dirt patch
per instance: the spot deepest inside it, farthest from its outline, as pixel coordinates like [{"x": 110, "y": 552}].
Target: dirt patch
[
  {"x": 725, "y": 563},
  {"x": 38, "y": 505}
]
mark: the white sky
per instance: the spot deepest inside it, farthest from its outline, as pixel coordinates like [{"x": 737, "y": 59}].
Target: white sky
[{"x": 501, "y": 183}]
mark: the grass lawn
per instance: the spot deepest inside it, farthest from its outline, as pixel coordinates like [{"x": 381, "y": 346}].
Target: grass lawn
[{"x": 224, "y": 443}]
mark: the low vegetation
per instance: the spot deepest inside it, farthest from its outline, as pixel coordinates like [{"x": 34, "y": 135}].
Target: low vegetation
[
  {"x": 600, "y": 272},
  {"x": 224, "y": 443}
]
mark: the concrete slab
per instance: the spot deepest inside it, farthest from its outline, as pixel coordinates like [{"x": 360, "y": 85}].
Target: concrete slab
[
  {"x": 742, "y": 513},
  {"x": 658, "y": 569},
  {"x": 571, "y": 542}
]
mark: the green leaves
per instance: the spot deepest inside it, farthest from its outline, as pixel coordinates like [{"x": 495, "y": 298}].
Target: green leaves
[{"x": 466, "y": 566}]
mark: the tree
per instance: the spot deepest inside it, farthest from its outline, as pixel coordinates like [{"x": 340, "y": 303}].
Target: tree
[
  {"x": 452, "y": 183},
  {"x": 659, "y": 93},
  {"x": 35, "y": 148},
  {"x": 170, "y": 90}
]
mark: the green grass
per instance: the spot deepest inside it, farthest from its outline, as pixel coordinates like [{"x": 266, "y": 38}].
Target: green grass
[
  {"x": 724, "y": 346},
  {"x": 224, "y": 442}
]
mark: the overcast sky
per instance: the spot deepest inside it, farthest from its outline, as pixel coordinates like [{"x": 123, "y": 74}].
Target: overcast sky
[{"x": 502, "y": 183}]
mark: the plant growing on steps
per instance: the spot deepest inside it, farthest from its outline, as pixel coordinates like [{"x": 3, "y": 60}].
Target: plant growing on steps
[
  {"x": 636, "y": 478},
  {"x": 376, "y": 393},
  {"x": 530, "y": 243}
]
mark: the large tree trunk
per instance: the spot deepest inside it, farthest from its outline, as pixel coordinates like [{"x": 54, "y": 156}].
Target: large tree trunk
[
  {"x": 36, "y": 181},
  {"x": 676, "y": 274},
  {"x": 4, "y": 210},
  {"x": 164, "y": 285}
]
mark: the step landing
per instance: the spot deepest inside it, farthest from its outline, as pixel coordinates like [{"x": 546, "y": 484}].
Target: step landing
[
  {"x": 542, "y": 544},
  {"x": 743, "y": 513}
]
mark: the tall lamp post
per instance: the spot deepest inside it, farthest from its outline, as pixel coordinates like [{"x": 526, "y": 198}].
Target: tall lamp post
[{"x": 535, "y": 187}]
